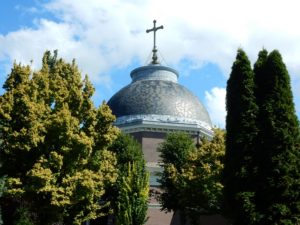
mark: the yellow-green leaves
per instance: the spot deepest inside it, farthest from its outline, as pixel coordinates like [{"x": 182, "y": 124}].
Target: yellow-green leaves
[
  {"x": 54, "y": 142},
  {"x": 193, "y": 186},
  {"x": 14, "y": 186},
  {"x": 133, "y": 197}
]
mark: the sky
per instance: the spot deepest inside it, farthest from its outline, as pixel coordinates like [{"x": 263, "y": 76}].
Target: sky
[{"x": 108, "y": 39}]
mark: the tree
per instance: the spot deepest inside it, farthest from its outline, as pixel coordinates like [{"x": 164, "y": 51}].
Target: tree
[
  {"x": 132, "y": 199},
  {"x": 54, "y": 144},
  {"x": 174, "y": 153},
  {"x": 259, "y": 77},
  {"x": 198, "y": 181},
  {"x": 127, "y": 150},
  {"x": 241, "y": 129},
  {"x": 1, "y": 192},
  {"x": 130, "y": 193},
  {"x": 192, "y": 184},
  {"x": 278, "y": 158}
]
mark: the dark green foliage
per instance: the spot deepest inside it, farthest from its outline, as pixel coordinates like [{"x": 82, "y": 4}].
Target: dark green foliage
[
  {"x": 128, "y": 150},
  {"x": 259, "y": 75},
  {"x": 130, "y": 194},
  {"x": 240, "y": 138},
  {"x": 1, "y": 192},
  {"x": 262, "y": 163},
  {"x": 176, "y": 148},
  {"x": 174, "y": 151},
  {"x": 278, "y": 160},
  {"x": 23, "y": 217}
]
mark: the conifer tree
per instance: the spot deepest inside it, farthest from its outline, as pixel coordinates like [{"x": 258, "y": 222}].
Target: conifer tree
[
  {"x": 278, "y": 158},
  {"x": 240, "y": 138},
  {"x": 1, "y": 191},
  {"x": 54, "y": 145},
  {"x": 259, "y": 71}
]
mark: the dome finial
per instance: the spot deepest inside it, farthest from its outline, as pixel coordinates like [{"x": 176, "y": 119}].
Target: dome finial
[{"x": 154, "y": 50}]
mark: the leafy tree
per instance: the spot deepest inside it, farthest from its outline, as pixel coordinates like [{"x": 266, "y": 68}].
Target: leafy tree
[
  {"x": 241, "y": 129},
  {"x": 198, "y": 181},
  {"x": 130, "y": 194},
  {"x": 278, "y": 158},
  {"x": 174, "y": 153},
  {"x": 132, "y": 200},
  {"x": 203, "y": 174},
  {"x": 54, "y": 144},
  {"x": 127, "y": 150}
]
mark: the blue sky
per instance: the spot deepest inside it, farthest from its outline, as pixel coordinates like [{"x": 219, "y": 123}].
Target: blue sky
[{"x": 108, "y": 39}]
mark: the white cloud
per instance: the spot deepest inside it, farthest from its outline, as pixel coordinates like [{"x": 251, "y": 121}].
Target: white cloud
[
  {"x": 215, "y": 102},
  {"x": 106, "y": 34}
]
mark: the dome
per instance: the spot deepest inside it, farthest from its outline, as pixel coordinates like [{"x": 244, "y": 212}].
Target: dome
[{"x": 154, "y": 91}]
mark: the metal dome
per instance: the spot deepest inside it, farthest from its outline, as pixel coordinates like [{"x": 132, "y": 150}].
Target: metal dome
[{"x": 154, "y": 91}]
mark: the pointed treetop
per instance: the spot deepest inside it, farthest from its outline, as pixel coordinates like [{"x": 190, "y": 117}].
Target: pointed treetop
[{"x": 154, "y": 50}]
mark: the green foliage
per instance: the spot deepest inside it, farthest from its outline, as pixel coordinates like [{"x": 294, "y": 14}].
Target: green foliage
[
  {"x": 259, "y": 75},
  {"x": 23, "y": 216},
  {"x": 54, "y": 142},
  {"x": 132, "y": 201},
  {"x": 1, "y": 192},
  {"x": 203, "y": 174},
  {"x": 262, "y": 160},
  {"x": 130, "y": 194},
  {"x": 128, "y": 150},
  {"x": 174, "y": 153},
  {"x": 278, "y": 177},
  {"x": 176, "y": 148},
  {"x": 241, "y": 129},
  {"x": 195, "y": 186}
]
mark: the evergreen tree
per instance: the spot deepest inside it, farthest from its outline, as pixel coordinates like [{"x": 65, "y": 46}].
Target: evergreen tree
[
  {"x": 259, "y": 77},
  {"x": 1, "y": 192},
  {"x": 240, "y": 138},
  {"x": 130, "y": 193},
  {"x": 278, "y": 158},
  {"x": 54, "y": 145}
]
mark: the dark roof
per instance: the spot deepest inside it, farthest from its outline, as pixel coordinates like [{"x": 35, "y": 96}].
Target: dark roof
[{"x": 157, "y": 96}]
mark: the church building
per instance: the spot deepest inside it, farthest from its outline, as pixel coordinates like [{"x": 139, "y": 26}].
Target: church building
[{"x": 153, "y": 105}]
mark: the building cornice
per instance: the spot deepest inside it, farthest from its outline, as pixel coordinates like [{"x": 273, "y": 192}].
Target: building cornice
[{"x": 162, "y": 123}]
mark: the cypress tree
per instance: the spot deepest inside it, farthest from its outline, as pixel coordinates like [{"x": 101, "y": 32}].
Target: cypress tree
[
  {"x": 278, "y": 154},
  {"x": 240, "y": 138},
  {"x": 259, "y": 71}
]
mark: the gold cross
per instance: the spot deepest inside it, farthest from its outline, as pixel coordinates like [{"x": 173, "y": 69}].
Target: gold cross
[{"x": 154, "y": 29}]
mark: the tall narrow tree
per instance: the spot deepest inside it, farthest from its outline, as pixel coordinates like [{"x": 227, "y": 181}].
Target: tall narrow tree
[
  {"x": 130, "y": 193},
  {"x": 278, "y": 175},
  {"x": 259, "y": 75},
  {"x": 241, "y": 133}
]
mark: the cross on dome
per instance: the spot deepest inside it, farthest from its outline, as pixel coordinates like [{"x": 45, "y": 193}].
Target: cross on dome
[{"x": 154, "y": 50}]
